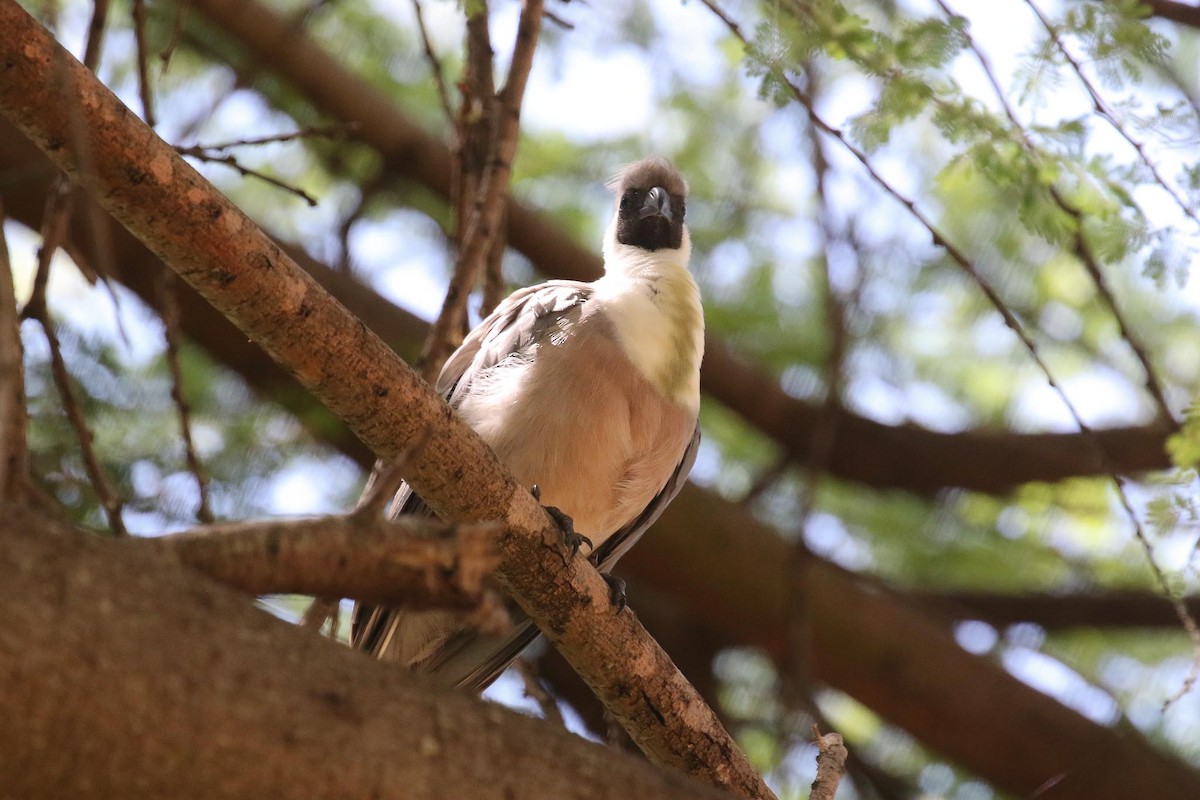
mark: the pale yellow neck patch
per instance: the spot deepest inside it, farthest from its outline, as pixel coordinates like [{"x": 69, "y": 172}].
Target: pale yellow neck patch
[{"x": 654, "y": 305}]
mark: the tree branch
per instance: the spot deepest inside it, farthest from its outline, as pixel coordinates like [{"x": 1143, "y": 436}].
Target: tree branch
[
  {"x": 128, "y": 676},
  {"x": 144, "y": 184},
  {"x": 831, "y": 764},
  {"x": 416, "y": 563},
  {"x": 14, "y": 453},
  {"x": 1183, "y": 13}
]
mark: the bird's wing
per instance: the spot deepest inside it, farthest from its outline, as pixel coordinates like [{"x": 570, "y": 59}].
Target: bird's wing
[
  {"x": 474, "y": 661},
  {"x": 617, "y": 545},
  {"x": 512, "y": 329}
]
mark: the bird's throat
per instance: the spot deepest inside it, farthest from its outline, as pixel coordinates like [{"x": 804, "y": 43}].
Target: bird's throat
[{"x": 658, "y": 319}]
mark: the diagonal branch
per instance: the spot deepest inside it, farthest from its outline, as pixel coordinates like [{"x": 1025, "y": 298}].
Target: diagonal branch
[
  {"x": 145, "y": 185},
  {"x": 480, "y": 229}
]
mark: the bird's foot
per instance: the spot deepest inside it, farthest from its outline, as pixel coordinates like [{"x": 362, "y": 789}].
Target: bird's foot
[
  {"x": 566, "y": 525},
  {"x": 616, "y": 591}
]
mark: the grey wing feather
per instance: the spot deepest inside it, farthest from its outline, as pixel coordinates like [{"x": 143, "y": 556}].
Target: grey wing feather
[
  {"x": 469, "y": 658},
  {"x": 513, "y": 328}
]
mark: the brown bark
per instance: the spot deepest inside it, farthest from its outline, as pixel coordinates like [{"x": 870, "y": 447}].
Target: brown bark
[
  {"x": 14, "y": 466},
  {"x": 125, "y": 675},
  {"x": 406, "y": 562},
  {"x": 143, "y": 183},
  {"x": 880, "y": 455}
]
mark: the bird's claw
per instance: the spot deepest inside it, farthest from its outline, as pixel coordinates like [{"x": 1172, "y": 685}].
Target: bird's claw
[
  {"x": 566, "y": 525},
  {"x": 572, "y": 539},
  {"x": 616, "y": 591}
]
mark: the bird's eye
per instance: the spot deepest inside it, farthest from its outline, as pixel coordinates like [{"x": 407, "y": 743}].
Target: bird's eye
[{"x": 627, "y": 199}]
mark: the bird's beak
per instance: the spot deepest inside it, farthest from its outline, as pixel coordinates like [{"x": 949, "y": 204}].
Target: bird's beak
[{"x": 658, "y": 204}]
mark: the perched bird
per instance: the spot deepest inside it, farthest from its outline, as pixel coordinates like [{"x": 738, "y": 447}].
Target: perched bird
[{"x": 589, "y": 391}]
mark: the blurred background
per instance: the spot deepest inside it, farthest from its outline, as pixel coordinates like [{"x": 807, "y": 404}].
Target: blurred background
[{"x": 894, "y": 507}]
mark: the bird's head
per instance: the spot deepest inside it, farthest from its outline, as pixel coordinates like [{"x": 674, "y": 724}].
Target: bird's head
[{"x": 648, "y": 221}]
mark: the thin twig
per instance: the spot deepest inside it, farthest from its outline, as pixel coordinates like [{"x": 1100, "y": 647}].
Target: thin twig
[
  {"x": 557, "y": 20},
  {"x": 108, "y": 497},
  {"x": 139, "y": 34},
  {"x": 181, "y": 14},
  {"x": 485, "y": 216},
  {"x": 483, "y": 227},
  {"x": 54, "y": 230},
  {"x": 1086, "y": 256},
  {"x": 1081, "y": 247},
  {"x": 231, "y": 161},
  {"x": 535, "y": 690},
  {"x": 170, "y": 318},
  {"x": 334, "y": 131},
  {"x": 14, "y": 452},
  {"x": 367, "y": 190},
  {"x": 831, "y": 764},
  {"x": 435, "y": 64}
]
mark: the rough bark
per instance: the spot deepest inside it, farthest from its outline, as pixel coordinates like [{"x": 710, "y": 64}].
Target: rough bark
[
  {"x": 213, "y": 246},
  {"x": 880, "y": 455},
  {"x": 125, "y": 675},
  {"x": 416, "y": 563}
]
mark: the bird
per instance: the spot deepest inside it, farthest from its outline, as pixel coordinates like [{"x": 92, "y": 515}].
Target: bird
[{"x": 589, "y": 392}]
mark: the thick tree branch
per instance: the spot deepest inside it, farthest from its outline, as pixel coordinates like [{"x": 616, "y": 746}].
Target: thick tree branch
[
  {"x": 416, "y": 563},
  {"x": 730, "y": 571},
  {"x": 144, "y": 184},
  {"x": 14, "y": 454},
  {"x": 1175, "y": 11},
  {"x": 127, "y": 676},
  {"x": 907, "y": 667},
  {"x": 1101, "y": 609}
]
